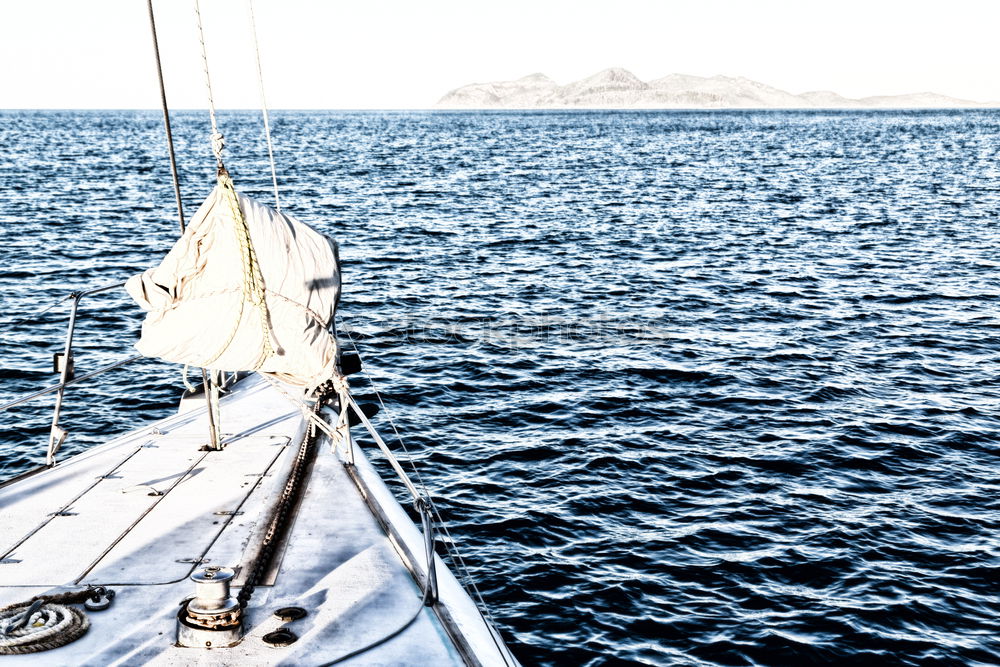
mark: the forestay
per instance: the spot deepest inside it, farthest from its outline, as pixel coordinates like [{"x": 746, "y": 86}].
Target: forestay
[{"x": 245, "y": 288}]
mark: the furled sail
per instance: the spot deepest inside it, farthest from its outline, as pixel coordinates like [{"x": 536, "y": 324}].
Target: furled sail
[{"x": 245, "y": 288}]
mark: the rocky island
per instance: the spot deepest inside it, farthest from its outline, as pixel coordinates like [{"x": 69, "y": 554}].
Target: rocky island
[{"x": 618, "y": 88}]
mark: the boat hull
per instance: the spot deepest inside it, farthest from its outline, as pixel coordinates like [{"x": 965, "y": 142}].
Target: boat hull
[{"x": 139, "y": 514}]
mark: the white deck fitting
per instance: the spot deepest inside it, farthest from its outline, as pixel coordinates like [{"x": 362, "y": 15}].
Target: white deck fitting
[{"x": 139, "y": 512}]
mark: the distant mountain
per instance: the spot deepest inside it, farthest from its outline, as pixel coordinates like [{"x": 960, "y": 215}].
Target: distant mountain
[
  {"x": 522, "y": 93},
  {"x": 617, "y": 88}
]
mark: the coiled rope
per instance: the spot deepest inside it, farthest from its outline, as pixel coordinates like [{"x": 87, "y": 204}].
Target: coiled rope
[{"x": 43, "y": 623}]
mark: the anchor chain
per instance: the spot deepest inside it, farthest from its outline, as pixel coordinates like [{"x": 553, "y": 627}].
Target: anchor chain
[{"x": 281, "y": 521}]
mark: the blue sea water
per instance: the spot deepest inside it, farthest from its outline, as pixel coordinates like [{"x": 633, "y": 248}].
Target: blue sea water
[{"x": 692, "y": 388}]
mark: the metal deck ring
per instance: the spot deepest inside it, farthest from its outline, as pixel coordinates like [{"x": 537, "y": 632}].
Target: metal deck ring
[{"x": 290, "y": 613}]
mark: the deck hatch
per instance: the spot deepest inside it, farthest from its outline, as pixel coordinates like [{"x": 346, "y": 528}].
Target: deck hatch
[{"x": 140, "y": 525}]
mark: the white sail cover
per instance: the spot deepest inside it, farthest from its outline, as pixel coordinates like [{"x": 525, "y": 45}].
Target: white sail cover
[{"x": 200, "y": 311}]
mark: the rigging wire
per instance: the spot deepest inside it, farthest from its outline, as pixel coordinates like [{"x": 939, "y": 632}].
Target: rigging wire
[
  {"x": 37, "y": 314},
  {"x": 315, "y": 421},
  {"x": 166, "y": 116},
  {"x": 217, "y": 147},
  {"x": 263, "y": 107},
  {"x": 451, "y": 545},
  {"x": 218, "y": 141}
]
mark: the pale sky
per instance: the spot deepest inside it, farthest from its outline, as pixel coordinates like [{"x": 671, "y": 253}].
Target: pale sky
[{"x": 407, "y": 54}]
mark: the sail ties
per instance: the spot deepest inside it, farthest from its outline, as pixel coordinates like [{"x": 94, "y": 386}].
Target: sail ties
[
  {"x": 246, "y": 288},
  {"x": 254, "y": 290}
]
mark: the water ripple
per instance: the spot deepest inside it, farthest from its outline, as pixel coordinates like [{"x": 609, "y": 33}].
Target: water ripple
[{"x": 692, "y": 388}]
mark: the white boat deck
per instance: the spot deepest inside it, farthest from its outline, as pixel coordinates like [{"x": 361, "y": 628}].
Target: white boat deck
[{"x": 141, "y": 512}]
